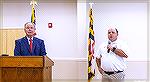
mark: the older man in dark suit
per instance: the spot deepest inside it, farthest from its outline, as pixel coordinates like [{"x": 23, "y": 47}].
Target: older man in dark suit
[{"x": 29, "y": 45}]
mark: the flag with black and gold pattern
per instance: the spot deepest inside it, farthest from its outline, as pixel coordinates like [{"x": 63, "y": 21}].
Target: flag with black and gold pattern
[
  {"x": 91, "y": 43},
  {"x": 33, "y": 18}
]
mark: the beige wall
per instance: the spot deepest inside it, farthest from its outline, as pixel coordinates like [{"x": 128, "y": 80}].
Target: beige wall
[
  {"x": 69, "y": 70},
  {"x": 75, "y": 70},
  {"x": 7, "y": 40}
]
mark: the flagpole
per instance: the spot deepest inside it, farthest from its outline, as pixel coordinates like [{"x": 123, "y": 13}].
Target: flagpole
[
  {"x": 91, "y": 5},
  {"x": 33, "y": 3},
  {"x": 91, "y": 43}
]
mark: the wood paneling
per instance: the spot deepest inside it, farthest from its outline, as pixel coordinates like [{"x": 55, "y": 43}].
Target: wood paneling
[
  {"x": 32, "y": 69},
  {"x": 22, "y": 61},
  {"x": 22, "y": 75},
  {"x": 7, "y": 40}
]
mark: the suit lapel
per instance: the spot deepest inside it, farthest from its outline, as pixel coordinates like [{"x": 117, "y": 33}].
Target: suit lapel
[
  {"x": 34, "y": 44},
  {"x": 26, "y": 43}
]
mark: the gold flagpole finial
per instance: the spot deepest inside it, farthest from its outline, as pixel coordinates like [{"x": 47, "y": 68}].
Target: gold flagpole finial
[
  {"x": 33, "y": 2},
  {"x": 91, "y": 4}
]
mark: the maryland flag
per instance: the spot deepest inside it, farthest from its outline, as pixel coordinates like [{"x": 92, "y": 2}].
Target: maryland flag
[
  {"x": 33, "y": 18},
  {"x": 91, "y": 43}
]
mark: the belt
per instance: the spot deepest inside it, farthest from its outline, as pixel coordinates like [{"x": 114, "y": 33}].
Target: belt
[{"x": 112, "y": 72}]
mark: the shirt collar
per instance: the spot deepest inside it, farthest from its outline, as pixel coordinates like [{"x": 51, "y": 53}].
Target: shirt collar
[
  {"x": 113, "y": 41},
  {"x": 29, "y": 38}
]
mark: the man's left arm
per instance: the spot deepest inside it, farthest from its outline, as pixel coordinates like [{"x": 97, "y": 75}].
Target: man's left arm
[
  {"x": 119, "y": 52},
  {"x": 119, "y": 49},
  {"x": 43, "y": 50}
]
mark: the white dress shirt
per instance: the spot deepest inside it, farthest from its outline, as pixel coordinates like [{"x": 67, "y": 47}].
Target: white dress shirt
[
  {"x": 29, "y": 40},
  {"x": 110, "y": 61}
]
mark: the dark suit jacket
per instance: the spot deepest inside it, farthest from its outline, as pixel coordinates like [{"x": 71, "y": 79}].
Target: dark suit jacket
[{"x": 22, "y": 47}]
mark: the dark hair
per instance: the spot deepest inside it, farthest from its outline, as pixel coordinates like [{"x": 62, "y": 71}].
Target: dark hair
[{"x": 116, "y": 30}]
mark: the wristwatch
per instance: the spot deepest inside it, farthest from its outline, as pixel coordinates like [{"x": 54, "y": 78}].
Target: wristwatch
[{"x": 113, "y": 49}]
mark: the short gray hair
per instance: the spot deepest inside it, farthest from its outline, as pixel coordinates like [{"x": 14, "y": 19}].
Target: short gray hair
[{"x": 29, "y": 23}]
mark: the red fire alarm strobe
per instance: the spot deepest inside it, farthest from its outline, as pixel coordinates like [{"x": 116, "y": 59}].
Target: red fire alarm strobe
[{"x": 50, "y": 25}]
